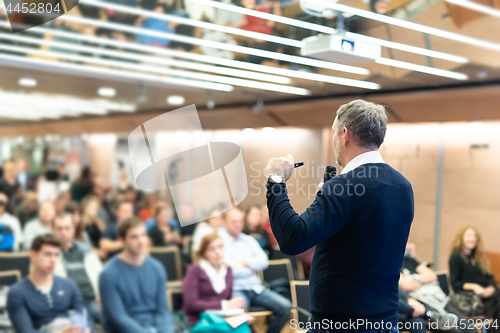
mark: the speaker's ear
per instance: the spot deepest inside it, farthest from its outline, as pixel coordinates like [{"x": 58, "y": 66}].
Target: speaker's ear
[{"x": 25, "y": 14}]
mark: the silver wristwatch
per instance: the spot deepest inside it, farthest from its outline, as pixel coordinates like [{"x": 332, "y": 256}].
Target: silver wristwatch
[{"x": 275, "y": 179}]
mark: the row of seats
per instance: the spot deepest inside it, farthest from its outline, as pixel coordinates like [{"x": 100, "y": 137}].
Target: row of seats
[{"x": 17, "y": 265}]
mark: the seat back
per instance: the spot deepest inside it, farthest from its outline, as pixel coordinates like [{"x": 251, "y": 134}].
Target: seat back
[
  {"x": 297, "y": 268},
  {"x": 444, "y": 281},
  {"x": 8, "y": 278},
  {"x": 494, "y": 258},
  {"x": 170, "y": 258},
  {"x": 277, "y": 269},
  {"x": 300, "y": 298},
  {"x": 15, "y": 261}
]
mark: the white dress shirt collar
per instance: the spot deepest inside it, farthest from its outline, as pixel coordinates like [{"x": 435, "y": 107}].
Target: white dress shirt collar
[
  {"x": 368, "y": 157},
  {"x": 217, "y": 278}
]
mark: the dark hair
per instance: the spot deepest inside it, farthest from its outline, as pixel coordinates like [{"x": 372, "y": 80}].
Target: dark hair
[
  {"x": 85, "y": 177},
  {"x": 46, "y": 239},
  {"x": 100, "y": 224},
  {"x": 125, "y": 225},
  {"x": 73, "y": 207},
  {"x": 205, "y": 242}
]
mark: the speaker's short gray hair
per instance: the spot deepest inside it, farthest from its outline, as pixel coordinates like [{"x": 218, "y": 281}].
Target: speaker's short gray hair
[{"x": 367, "y": 121}]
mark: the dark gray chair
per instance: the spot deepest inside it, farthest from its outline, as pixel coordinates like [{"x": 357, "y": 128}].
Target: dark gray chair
[
  {"x": 170, "y": 258},
  {"x": 15, "y": 261}
]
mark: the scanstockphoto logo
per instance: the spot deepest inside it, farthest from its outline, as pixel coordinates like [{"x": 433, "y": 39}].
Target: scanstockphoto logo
[
  {"x": 171, "y": 151},
  {"x": 25, "y": 14}
]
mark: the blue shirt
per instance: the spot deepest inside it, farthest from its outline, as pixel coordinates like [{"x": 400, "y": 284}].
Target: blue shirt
[
  {"x": 29, "y": 309},
  {"x": 156, "y": 25},
  {"x": 134, "y": 299},
  {"x": 359, "y": 223},
  {"x": 174, "y": 224},
  {"x": 110, "y": 232},
  {"x": 244, "y": 248}
]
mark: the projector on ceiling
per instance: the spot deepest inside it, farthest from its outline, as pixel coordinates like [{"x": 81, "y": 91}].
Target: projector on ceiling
[{"x": 338, "y": 48}]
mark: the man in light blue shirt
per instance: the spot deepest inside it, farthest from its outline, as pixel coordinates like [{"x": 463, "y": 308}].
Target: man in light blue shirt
[{"x": 246, "y": 258}]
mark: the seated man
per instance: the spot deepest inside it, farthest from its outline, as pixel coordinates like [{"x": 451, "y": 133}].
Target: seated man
[
  {"x": 42, "y": 302},
  {"x": 411, "y": 314},
  {"x": 79, "y": 263},
  {"x": 40, "y": 225},
  {"x": 133, "y": 286},
  {"x": 420, "y": 282},
  {"x": 246, "y": 258},
  {"x": 109, "y": 242}
]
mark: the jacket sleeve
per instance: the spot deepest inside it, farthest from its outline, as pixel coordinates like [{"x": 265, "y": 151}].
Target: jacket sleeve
[
  {"x": 193, "y": 303},
  {"x": 456, "y": 264},
  {"x": 326, "y": 216},
  {"x": 18, "y": 313}
]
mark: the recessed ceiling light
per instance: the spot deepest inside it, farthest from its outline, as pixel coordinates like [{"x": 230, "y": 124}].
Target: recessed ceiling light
[
  {"x": 106, "y": 92},
  {"x": 175, "y": 100},
  {"x": 27, "y": 82}
]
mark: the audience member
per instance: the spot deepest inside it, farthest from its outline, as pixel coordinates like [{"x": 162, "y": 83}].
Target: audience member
[
  {"x": 257, "y": 24},
  {"x": 133, "y": 286},
  {"x": 25, "y": 179},
  {"x": 162, "y": 234},
  {"x": 110, "y": 242},
  {"x": 83, "y": 186},
  {"x": 41, "y": 302},
  {"x": 79, "y": 263},
  {"x": 411, "y": 314},
  {"x": 213, "y": 225},
  {"x": 10, "y": 186},
  {"x": 181, "y": 29},
  {"x": 9, "y": 222},
  {"x": 209, "y": 284},
  {"x": 104, "y": 212},
  {"x": 245, "y": 257},
  {"x": 40, "y": 225},
  {"x": 218, "y": 37},
  {"x": 226, "y": 17},
  {"x": 470, "y": 270},
  {"x": 27, "y": 209},
  {"x": 131, "y": 196},
  {"x": 253, "y": 227},
  {"x": 174, "y": 224},
  {"x": 148, "y": 209},
  {"x": 73, "y": 208},
  {"x": 153, "y": 23},
  {"x": 420, "y": 282},
  {"x": 91, "y": 224},
  {"x": 61, "y": 202}
]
